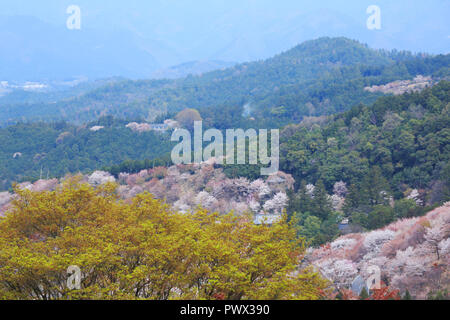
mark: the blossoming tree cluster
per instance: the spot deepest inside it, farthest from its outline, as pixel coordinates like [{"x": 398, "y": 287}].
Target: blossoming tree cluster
[
  {"x": 412, "y": 254},
  {"x": 142, "y": 249}
]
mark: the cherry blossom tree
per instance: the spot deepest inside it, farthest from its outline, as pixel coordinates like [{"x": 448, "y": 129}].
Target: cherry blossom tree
[
  {"x": 206, "y": 200},
  {"x": 415, "y": 195},
  {"x": 343, "y": 243},
  {"x": 310, "y": 190},
  {"x": 433, "y": 237},
  {"x": 340, "y": 189},
  {"x": 100, "y": 177},
  {"x": 341, "y": 272},
  {"x": 5, "y": 197},
  {"x": 412, "y": 254},
  {"x": 277, "y": 203}
]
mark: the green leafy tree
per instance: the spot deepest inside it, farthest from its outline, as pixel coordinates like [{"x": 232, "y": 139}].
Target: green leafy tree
[
  {"x": 187, "y": 117},
  {"x": 321, "y": 205}
]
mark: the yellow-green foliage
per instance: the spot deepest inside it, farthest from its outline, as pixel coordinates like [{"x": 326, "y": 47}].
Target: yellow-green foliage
[{"x": 141, "y": 249}]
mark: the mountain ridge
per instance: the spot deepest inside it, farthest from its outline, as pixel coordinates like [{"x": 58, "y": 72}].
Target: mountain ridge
[{"x": 298, "y": 78}]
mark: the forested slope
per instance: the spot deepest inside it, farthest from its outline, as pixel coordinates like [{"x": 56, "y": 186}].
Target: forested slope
[
  {"x": 318, "y": 77},
  {"x": 33, "y": 150}
]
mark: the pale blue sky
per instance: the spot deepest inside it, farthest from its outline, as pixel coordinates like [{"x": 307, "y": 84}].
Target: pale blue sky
[
  {"x": 176, "y": 31},
  {"x": 184, "y": 20}
]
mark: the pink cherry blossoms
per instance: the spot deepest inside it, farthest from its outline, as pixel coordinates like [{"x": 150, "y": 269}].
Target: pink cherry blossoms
[{"x": 412, "y": 254}]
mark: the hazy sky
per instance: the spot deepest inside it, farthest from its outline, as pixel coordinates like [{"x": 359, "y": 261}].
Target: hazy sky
[
  {"x": 175, "y": 31},
  {"x": 174, "y": 19},
  {"x": 170, "y": 18}
]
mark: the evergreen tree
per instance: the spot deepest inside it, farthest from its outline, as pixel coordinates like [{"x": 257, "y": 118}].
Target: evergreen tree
[
  {"x": 363, "y": 295},
  {"x": 321, "y": 205},
  {"x": 352, "y": 200},
  {"x": 375, "y": 188},
  {"x": 407, "y": 296},
  {"x": 301, "y": 201},
  {"x": 379, "y": 217}
]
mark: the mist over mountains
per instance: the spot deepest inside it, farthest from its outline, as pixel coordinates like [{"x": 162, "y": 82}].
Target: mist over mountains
[
  {"x": 318, "y": 77},
  {"x": 103, "y": 198},
  {"x": 33, "y": 50},
  {"x": 144, "y": 38}
]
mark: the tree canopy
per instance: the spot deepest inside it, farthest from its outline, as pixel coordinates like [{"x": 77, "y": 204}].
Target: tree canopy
[{"x": 141, "y": 249}]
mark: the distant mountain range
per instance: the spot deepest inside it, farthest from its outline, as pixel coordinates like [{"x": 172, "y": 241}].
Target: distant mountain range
[
  {"x": 191, "y": 68},
  {"x": 36, "y": 51},
  {"x": 137, "y": 41},
  {"x": 317, "y": 77},
  {"x": 48, "y": 91}
]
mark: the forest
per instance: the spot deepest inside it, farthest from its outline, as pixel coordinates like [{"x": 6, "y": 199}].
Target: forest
[
  {"x": 371, "y": 155},
  {"x": 46, "y": 150},
  {"x": 364, "y": 180},
  {"x": 144, "y": 250},
  {"x": 318, "y": 77}
]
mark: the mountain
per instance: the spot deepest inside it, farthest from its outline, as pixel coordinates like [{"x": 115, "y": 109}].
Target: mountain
[
  {"x": 318, "y": 77},
  {"x": 190, "y": 68},
  {"x": 30, "y": 151},
  {"x": 33, "y": 50},
  {"x": 404, "y": 136},
  {"x": 172, "y": 32},
  {"x": 48, "y": 91},
  {"x": 412, "y": 255}
]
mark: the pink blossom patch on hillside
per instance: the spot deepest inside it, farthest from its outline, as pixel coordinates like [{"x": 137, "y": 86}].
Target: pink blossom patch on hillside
[{"x": 412, "y": 254}]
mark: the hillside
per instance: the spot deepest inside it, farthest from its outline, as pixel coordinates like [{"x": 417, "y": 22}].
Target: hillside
[
  {"x": 412, "y": 254},
  {"x": 318, "y": 77},
  {"x": 405, "y": 136},
  {"x": 185, "y": 188},
  {"x": 142, "y": 249},
  {"x": 31, "y": 151},
  {"x": 366, "y": 183},
  {"x": 190, "y": 68},
  {"x": 370, "y": 166}
]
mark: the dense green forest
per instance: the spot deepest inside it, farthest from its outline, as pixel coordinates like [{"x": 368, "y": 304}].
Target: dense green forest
[
  {"x": 406, "y": 136},
  {"x": 381, "y": 147},
  {"x": 381, "y": 152},
  {"x": 56, "y": 148},
  {"x": 319, "y": 77}
]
